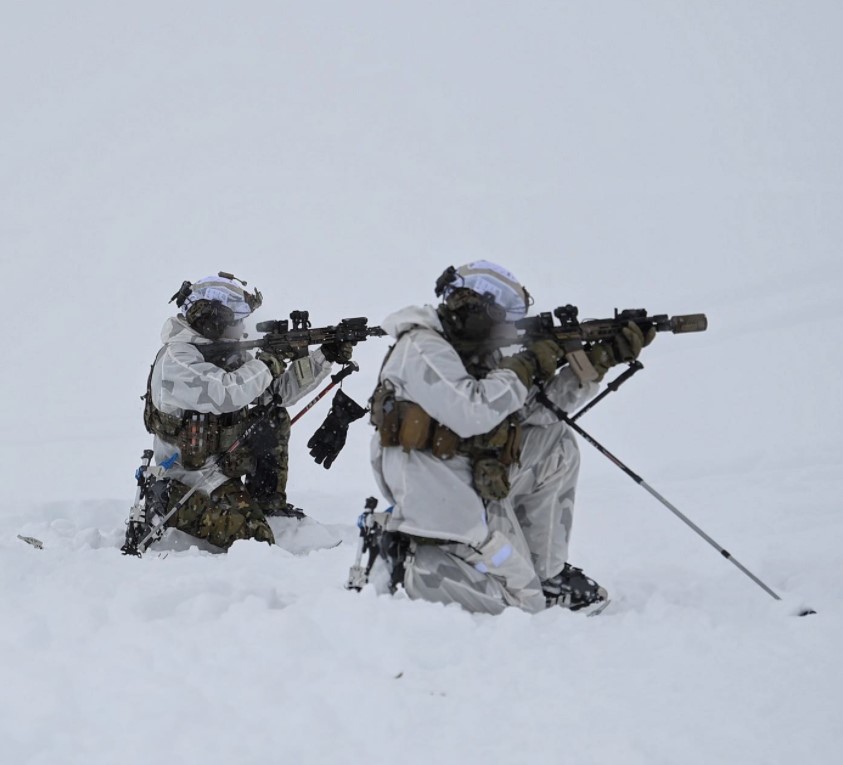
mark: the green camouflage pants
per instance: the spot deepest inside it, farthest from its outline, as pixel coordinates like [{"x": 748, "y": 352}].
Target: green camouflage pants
[
  {"x": 267, "y": 481},
  {"x": 228, "y": 514},
  {"x": 263, "y": 460}
]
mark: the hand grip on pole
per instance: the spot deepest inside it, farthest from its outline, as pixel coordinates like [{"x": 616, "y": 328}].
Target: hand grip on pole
[{"x": 349, "y": 368}]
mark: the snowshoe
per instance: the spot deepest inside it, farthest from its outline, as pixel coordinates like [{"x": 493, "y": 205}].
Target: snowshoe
[
  {"x": 572, "y": 589},
  {"x": 282, "y": 510}
]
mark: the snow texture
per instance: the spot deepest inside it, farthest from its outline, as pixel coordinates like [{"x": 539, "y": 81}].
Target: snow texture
[{"x": 682, "y": 157}]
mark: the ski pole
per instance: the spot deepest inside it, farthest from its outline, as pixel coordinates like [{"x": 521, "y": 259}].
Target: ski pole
[
  {"x": 336, "y": 379},
  {"x": 154, "y": 534},
  {"x": 635, "y": 366},
  {"x": 544, "y": 400}
]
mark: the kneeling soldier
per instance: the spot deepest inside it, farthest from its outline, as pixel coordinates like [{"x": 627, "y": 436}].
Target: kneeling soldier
[
  {"x": 482, "y": 477},
  {"x": 201, "y": 396}
]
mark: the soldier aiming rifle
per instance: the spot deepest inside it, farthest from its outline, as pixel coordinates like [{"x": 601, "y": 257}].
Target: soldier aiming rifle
[{"x": 219, "y": 415}]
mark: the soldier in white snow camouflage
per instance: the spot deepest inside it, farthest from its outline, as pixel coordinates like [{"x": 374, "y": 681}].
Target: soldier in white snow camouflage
[
  {"x": 482, "y": 477},
  {"x": 201, "y": 399}
]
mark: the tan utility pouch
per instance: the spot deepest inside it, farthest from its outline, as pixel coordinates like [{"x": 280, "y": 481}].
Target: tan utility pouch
[
  {"x": 504, "y": 442},
  {"x": 511, "y": 452},
  {"x": 491, "y": 478},
  {"x": 445, "y": 442},
  {"x": 385, "y": 416},
  {"x": 494, "y": 439},
  {"x": 414, "y": 432}
]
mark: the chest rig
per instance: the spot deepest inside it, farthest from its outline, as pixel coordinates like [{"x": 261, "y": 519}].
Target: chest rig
[
  {"x": 198, "y": 435},
  {"x": 408, "y": 425}
]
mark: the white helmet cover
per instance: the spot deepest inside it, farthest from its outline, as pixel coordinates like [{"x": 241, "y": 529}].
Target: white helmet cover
[
  {"x": 223, "y": 290},
  {"x": 485, "y": 277}
]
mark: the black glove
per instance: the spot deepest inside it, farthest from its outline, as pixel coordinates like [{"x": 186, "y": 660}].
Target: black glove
[
  {"x": 327, "y": 442},
  {"x": 337, "y": 353}
]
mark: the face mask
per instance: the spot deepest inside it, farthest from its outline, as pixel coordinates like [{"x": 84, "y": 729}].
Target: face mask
[
  {"x": 210, "y": 318},
  {"x": 473, "y": 317},
  {"x": 235, "y": 331}
]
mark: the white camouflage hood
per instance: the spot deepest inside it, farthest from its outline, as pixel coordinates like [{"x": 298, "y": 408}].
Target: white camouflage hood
[
  {"x": 177, "y": 330},
  {"x": 421, "y": 316},
  {"x": 183, "y": 381}
]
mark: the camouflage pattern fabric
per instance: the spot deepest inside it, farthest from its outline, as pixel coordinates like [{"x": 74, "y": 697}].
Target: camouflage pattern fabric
[
  {"x": 496, "y": 552},
  {"x": 481, "y": 581},
  {"x": 183, "y": 381},
  {"x": 543, "y": 493},
  {"x": 535, "y": 520},
  {"x": 434, "y": 574},
  {"x": 434, "y": 497},
  {"x": 267, "y": 483},
  {"x": 229, "y": 513}
]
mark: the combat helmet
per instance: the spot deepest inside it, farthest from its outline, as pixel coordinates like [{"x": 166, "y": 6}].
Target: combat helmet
[
  {"x": 477, "y": 299},
  {"x": 215, "y": 304}
]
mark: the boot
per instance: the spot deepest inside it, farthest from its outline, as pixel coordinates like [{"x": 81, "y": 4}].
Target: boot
[
  {"x": 571, "y": 588},
  {"x": 276, "y": 506}
]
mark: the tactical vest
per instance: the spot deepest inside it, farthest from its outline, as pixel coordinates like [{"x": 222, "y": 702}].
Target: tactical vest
[
  {"x": 197, "y": 435},
  {"x": 408, "y": 425}
]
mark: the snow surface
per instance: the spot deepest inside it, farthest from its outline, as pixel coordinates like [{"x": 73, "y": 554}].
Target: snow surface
[{"x": 679, "y": 156}]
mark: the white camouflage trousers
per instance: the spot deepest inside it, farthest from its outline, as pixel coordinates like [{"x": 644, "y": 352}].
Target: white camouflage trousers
[{"x": 528, "y": 540}]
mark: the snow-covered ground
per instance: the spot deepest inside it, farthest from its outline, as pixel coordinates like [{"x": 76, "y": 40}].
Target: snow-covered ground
[{"x": 683, "y": 157}]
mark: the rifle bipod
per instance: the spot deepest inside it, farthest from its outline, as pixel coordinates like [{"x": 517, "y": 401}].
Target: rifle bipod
[{"x": 371, "y": 525}]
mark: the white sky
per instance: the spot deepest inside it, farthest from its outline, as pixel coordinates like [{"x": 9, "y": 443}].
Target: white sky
[{"x": 677, "y": 156}]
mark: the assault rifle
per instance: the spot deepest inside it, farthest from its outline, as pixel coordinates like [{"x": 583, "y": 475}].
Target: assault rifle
[
  {"x": 293, "y": 343},
  {"x": 575, "y": 337}
]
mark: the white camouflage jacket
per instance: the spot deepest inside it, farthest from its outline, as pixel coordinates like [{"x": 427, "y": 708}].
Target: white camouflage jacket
[
  {"x": 183, "y": 381},
  {"x": 433, "y": 497}
]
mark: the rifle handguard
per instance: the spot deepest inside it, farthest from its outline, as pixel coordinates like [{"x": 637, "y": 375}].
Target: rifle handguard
[
  {"x": 575, "y": 336},
  {"x": 292, "y": 343}
]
